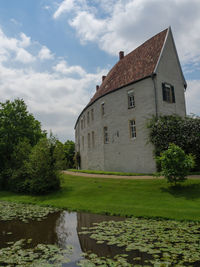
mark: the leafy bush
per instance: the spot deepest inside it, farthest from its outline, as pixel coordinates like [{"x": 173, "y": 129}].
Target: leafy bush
[
  {"x": 29, "y": 162},
  {"x": 42, "y": 168},
  {"x": 16, "y": 125},
  {"x": 175, "y": 164},
  {"x": 184, "y": 132},
  {"x": 69, "y": 149},
  {"x": 18, "y": 174}
]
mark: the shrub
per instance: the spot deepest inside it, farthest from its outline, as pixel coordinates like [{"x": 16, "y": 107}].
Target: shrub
[
  {"x": 184, "y": 132},
  {"x": 42, "y": 168},
  {"x": 18, "y": 174},
  {"x": 175, "y": 164},
  {"x": 69, "y": 149}
]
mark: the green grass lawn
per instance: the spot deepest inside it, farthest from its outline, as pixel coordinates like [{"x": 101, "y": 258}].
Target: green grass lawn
[
  {"x": 111, "y": 173},
  {"x": 146, "y": 198}
]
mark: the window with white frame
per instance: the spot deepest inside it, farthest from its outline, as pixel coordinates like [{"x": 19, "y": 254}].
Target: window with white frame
[
  {"x": 132, "y": 128},
  {"x": 102, "y": 109},
  {"x": 105, "y": 134},
  {"x": 168, "y": 93},
  {"x": 131, "y": 99},
  {"x": 88, "y": 140}
]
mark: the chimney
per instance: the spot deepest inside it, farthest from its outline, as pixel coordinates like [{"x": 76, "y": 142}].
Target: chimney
[
  {"x": 103, "y": 78},
  {"x": 121, "y": 55},
  {"x": 97, "y": 87}
]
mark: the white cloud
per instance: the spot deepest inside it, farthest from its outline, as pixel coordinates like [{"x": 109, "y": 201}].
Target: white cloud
[
  {"x": 55, "y": 100},
  {"x": 17, "y": 46},
  {"x": 45, "y": 53},
  {"x": 128, "y": 23},
  {"x": 192, "y": 97},
  {"x": 66, "y": 5},
  {"x": 25, "y": 40},
  {"x": 92, "y": 28},
  {"x": 55, "y": 97},
  {"x": 24, "y": 56},
  {"x": 63, "y": 68}
]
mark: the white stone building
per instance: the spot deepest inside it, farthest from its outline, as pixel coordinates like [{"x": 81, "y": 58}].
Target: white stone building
[{"x": 110, "y": 132}]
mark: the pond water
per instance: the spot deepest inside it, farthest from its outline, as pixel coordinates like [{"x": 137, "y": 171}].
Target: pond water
[
  {"x": 99, "y": 240},
  {"x": 61, "y": 228}
]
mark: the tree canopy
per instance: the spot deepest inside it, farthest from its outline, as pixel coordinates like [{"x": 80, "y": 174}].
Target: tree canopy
[
  {"x": 183, "y": 132},
  {"x": 29, "y": 161}
]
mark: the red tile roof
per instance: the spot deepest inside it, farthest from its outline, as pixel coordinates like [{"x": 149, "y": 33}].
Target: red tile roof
[{"x": 138, "y": 64}]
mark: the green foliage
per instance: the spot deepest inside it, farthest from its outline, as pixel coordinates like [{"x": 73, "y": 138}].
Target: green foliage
[
  {"x": 184, "y": 132},
  {"x": 18, "y": 174},
  {"x": 42, "y": 167},
  {"x": 29, "y": 161},
  {"x": 175, "y": 164},
  {"x": 69, "y": 150},
  {"x": 17, "y": 126}
]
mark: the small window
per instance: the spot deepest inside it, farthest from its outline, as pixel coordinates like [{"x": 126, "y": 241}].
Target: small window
[
  {"x": 92, "y": 114},
  {"x": 84, "y": 121},
  {"x": 93, "y": 144},
  {"x": 83, "y": 142},
  {"x": 88, "y": 140},
  {"x": 105, "y": 134},
  {"x": 102, "y": 109},
  {"x": 131, "y": 99},
  {"x": 168, "y": 93},
  {"x": 81, "y": 124},
  {"x": 88, "y": 117},
  {"x": 132, "y": 127}
]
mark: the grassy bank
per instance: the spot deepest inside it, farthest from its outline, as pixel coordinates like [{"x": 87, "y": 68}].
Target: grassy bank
[
  {"x": 147, "y": 198},
  {"x": 111, "y": 173}
]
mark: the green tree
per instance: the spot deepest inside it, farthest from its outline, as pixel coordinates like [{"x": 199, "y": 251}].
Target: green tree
[
  {"x": 175, "y": 164},
  {"x": 18, "y": 174},
  {"x": 184, "y": 132},
  {"x": 42, "y": 167},
  {"x": 69, "y": 149},
  {"x": 16, "y": 125}
]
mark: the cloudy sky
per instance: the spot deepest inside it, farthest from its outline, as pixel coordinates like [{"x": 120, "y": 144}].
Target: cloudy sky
[{"x": 53, "y": 53}]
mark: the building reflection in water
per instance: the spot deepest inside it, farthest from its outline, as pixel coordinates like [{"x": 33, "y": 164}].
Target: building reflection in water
[
  {"x": 63, "y": 228},
  {"x": 66, "y": 229}
]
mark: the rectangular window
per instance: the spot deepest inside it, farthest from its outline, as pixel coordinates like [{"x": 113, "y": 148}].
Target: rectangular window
[
  {"x": 102, "y": 109},
  {"x": 132, "y": 127},
  {"x": 88, "y": 117},
  {"x": 105, "y": 134},
  {"x": 92, "y": 114},
  {"x": 168, "y": 93},
  {"x": 88, "y": 140},
  {"x": 93, "y": 144},
  {"x": 84, "y": 121},
  {"x": 83, "y": 142},
  {"x": 131, "y": 99},
  {"x": 81, "y": 124}
]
